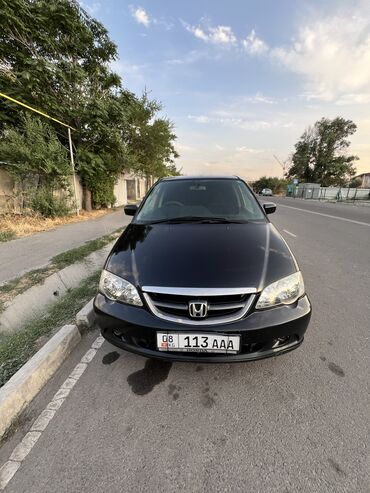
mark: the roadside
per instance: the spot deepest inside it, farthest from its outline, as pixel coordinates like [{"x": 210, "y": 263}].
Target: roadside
[
  {"x": 13, "y": 226},
  {"x": 17, "y": 348},
  {"x": 352, "y": 212},
  {"x": 35, "y": 252},
  {"x": 19, "y": 285}
]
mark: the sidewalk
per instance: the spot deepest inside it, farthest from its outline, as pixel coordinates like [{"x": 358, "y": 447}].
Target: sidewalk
[{"x": 32, "y": 252}]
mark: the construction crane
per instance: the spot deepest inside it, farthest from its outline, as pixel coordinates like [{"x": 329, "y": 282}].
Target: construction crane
[{"x": 283, "y": 165}]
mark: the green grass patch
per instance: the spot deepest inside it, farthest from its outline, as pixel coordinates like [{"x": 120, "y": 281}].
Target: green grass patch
[
  {"x": 16, "y": 349},
  {"x": 17, "y": 286},
  {"x": 77, "y": 254},
  {"x": 7, "y": 235}
]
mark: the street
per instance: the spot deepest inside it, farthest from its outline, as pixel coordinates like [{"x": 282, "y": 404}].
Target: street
[{"x": 295, "y": 423}]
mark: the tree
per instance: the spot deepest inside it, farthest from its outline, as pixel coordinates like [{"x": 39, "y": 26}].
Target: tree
[
  {"x": 355, "y": 182},
  {"x": 277, "y": 185},
  {"x": 35, "y": 152},
  {"x": 321, "y": 153},
  {"x": 38, "y": 163},
  {"x": 150, "y": 140},
  {"x": 57, "y": 58}
]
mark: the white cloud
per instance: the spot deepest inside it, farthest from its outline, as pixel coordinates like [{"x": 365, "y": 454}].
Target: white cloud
[
  {"x": 221, "y": 35},
  {"x": 333, "y": 54},
  {"x": 254, "y": 45},
  {"x": 360, "y": 98},
  {"x": 219, "y": 148},
  {"x": 199, "y": 118},
  {"x": 249, "y": 149},
  {"x": 259, "y": 98},
  {"x": 235, "y": 122},
  {"x": 141, "y": 16}
]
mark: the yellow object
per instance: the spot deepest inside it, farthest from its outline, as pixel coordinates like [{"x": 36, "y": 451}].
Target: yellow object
[{"x": 35, "y": 110}]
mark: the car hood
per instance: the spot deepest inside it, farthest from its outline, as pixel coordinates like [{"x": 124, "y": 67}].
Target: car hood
[{"x": 201, "y": 255}]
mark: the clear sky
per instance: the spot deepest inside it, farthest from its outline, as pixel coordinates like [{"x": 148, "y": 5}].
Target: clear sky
[{"x": 242, "y": 79}]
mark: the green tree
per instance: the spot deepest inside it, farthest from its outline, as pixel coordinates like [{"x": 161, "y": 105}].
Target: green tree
[
  {"x": 150, "y": 140},
  {"x": 56, "y": 57},
  {"x": 276, "y": 184},
  {"x": 34, "y": 152},
  {"x": 355, "y": 182},
  {"x": 38, "y": 163},
  {"x": 321, "y": 154}
]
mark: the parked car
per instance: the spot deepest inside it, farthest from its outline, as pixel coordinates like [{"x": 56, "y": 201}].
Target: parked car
[
  {"x": 267, "y": 192},
  {"x": 201, "y": 274}
]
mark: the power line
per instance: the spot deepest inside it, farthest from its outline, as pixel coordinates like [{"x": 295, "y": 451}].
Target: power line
[
  {"x": 35, "y": 110},
  {"x": 69, "y": 138}
]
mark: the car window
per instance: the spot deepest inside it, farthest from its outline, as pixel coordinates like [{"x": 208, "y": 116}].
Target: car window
[{"x": 204, "y": 198}]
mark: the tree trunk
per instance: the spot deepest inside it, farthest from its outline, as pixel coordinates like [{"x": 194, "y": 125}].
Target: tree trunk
[{"x": 86, "y": 202}]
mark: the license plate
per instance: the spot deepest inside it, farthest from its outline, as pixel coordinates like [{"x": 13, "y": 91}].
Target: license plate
[{"x": 198, "y": 343}]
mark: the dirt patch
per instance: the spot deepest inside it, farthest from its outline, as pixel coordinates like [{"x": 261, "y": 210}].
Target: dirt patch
[{"x": 18, "y": 225}]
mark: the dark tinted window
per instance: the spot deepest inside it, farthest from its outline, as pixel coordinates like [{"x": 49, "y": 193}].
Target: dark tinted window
[{"x": 204, "y": 198}]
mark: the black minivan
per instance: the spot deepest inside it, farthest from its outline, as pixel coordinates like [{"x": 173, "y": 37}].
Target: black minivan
[{"x": 201, "y": 274}]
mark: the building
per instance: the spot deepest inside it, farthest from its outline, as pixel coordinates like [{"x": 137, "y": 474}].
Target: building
[{"x": 365, "y": 180}]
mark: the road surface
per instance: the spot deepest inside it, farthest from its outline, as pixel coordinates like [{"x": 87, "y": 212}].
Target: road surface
[
  {"x": 295, "y": 423},
  {"x": 33, "y": 252}
]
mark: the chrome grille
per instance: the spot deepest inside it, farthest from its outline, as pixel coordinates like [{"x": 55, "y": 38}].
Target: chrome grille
[{"x": 224, "y": 305}]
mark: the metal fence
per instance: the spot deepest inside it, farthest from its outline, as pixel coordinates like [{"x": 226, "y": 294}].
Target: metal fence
[{"x": 338, "y": 194}]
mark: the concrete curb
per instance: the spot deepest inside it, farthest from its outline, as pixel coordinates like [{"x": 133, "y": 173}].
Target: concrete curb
[
  {"x": 18, "y": 392},
  {"x": 85, "y": 317},
  {"x": 33, "y": 302}
]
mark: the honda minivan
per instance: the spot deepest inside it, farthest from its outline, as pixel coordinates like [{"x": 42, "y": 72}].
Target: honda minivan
[{"x": 201, "y": 274}]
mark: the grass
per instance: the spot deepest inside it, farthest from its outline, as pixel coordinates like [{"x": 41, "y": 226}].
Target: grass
[
  {"x": 7, "y": 235},
  {"x": 77, "y": 254},
  {"x": 18, "y": 225},
  {"x": 17, "y": 286},
  {"x": 16, "y": 349}
]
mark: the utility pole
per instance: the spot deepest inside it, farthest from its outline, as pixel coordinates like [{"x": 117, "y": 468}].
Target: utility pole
[
  {"x": 69, "y": 139},
  {"x": 73, "y": 170}
]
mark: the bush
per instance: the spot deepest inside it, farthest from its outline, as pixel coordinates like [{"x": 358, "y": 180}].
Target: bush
[
  {"x": 47, "y": 204},
  {"x": 103, "y": 195}
]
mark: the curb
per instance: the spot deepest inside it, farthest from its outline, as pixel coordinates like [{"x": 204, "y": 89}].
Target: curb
[
  {"x": 33, "y": 302},
  {"x": 85, "y": 318},
  {"x": 18, "y": 392}
]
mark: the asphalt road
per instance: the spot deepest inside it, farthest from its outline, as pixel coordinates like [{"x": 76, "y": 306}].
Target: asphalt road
[
  {"x": 33, "y": 252},
  {"x": 295, "y": 423}
]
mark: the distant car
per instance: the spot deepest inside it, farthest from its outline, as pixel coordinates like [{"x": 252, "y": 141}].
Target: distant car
[
  {"x": 202, "y": 275},
  {"x": 267, "y": 192}
]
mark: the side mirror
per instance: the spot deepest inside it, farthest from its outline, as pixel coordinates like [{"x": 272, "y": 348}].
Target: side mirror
[
  {"x": 130, "y": 210},
  {"x": 269, "y": 207}
]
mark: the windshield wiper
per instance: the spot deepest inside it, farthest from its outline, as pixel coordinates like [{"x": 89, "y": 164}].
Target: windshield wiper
[{"x": 199, "y": 219}]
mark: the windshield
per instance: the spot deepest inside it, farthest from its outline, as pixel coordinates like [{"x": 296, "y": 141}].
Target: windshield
[{"x": 219, "y": 200}]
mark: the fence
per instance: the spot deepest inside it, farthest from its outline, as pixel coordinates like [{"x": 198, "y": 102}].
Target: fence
[
  {"x": 128, "y": 188},
  {"x": 337, "y": 194}
]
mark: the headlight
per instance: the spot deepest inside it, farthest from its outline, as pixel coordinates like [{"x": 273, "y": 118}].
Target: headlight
[
  {"x": 283, "y": 292},
  {"x": 117, "y": 289}
]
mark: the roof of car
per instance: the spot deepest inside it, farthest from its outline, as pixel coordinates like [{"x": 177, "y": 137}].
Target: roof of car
[{"x": 202, "y": 177}]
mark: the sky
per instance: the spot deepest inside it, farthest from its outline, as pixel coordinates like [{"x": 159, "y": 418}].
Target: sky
[{"x": 242, "y": 79}]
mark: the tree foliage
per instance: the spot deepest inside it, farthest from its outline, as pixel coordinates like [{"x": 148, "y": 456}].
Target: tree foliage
[
  {"x": 321, "y": 154},
  {"x": 276, "y": 184},
  {"x": 56, "y": 57},
  {"x": 33, "y": 152}
]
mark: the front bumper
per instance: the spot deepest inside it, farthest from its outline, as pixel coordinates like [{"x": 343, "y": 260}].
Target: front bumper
[{"x": 134, "y": 329}]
